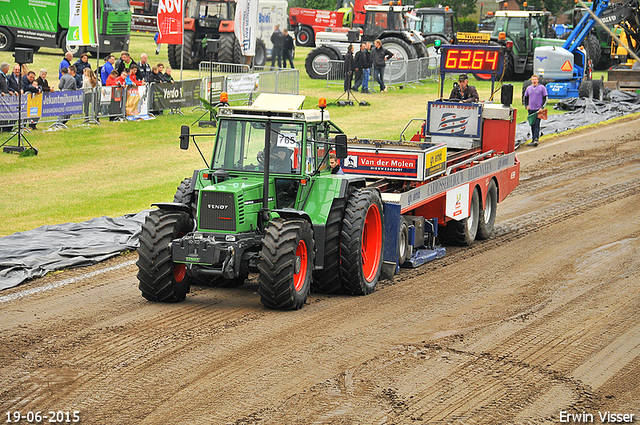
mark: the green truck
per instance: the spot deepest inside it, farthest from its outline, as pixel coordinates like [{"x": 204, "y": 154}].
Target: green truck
[{"x": 44, "y": 23}]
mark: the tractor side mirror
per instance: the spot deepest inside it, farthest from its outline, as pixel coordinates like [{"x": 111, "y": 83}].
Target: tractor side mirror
[
  {"x": 341, "y": 146},
  {"x": 184, "y": 137}
]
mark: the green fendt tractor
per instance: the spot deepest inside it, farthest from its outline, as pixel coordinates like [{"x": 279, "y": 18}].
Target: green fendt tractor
[{"x": 267, "y": 203}]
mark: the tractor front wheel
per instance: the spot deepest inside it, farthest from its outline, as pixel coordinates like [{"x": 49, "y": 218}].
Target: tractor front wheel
[
  {"x": 160, "y": 278},
  {"x": 286, "y": 264}
]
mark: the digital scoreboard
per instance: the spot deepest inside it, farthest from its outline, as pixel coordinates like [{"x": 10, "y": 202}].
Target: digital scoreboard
[{"x": 465, "y": 59}]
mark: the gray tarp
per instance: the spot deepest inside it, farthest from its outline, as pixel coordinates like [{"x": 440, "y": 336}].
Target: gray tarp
[
  {"x": 30, "y": 254},
  {"x": 582, "y": 112}
]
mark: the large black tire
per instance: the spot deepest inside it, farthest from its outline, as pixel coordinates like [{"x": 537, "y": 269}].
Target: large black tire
[
  {"x": 421, "y": 50},
  {"x": 286, "y": 264},
  {"x": 317, "y": 62},
  {"x": 509, "y": 68},
  {"x": 7, "y": 41},
  {"x": 305, "y": 37},
  {"x": 362, "y": 242},
  {"x": 193, "y": 53},
  {"x": 160, "y": 278},
  {"x": 403, "y": 242},
  {"x": 487, "y": 217},
  {"x": 227, "y": 46},
  {"x": 260, "y": 58},
  {"x": 185, "y": 195},
  {"x": 328, "y": 280},
  {"x": 462, "y": 232},
  {"x": 598, "y": 89},
  {"x": 594, "y": 50},
  {"x": 586, "y": 90}
]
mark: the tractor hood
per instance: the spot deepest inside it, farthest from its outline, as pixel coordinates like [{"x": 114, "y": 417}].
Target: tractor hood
[{"x": 230, "y": 206}]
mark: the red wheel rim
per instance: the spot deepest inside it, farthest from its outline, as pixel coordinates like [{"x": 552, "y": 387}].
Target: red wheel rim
[
  {"x": 371, "y": 243},
  {"x": 303, "y": 36},
  {"x": 179, "y": 272},
  {"x": 300, "y": 277},
  {"x": 484, "y": 77}
]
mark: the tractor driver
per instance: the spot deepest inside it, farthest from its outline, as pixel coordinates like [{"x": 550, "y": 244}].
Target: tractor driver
[{"x": 463, "y": 92}]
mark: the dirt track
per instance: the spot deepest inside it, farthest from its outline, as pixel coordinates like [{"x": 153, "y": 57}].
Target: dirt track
[{"x": 543, "y": 318}]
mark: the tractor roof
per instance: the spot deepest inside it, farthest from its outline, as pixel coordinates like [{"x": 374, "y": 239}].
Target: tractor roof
[
  {"x": 383, "y": 8},
  {"x": 276, "y": 106},
  {"x": 433, "y": 11}
]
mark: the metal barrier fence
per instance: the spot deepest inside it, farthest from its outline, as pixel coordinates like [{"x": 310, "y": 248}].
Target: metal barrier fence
[
  {"x": 397, "y": 72},
  {"x": 217, "y": 68}
]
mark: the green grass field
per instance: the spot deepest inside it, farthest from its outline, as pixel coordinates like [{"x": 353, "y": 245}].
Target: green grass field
[{"x": 123, "y": 167}]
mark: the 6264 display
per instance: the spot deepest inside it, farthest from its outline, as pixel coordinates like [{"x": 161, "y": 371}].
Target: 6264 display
[{"x": 471, "y": 59}]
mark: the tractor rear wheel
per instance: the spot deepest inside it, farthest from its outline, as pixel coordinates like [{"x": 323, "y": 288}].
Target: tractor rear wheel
[
  {"x": 361, "y": 244},
  {"x": 160, "y": 278},
  {"x": 227, "y": 43},
  {"x": 192, "y": 53},
  {"x": 328, "y": 280},
  {"x": 185, "y": 195},
  {"x": 286, "y": 264},
  {"x": 463, "y": 232},
  {"x": 487, "y": 216}
]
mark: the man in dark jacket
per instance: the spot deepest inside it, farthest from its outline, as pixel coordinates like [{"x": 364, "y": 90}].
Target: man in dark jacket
[
  {"x": 463, "y": 91},
  {"x": 379, "y": 55},
  {"x": 67, "y": 83},
  {"x": 349, "y": 66},
  {"x": 277, "y": 38},
  {"x": 13, "y": 80},
  {"x": 4, "y": 87},
  {"x": 287, "y": 49}
]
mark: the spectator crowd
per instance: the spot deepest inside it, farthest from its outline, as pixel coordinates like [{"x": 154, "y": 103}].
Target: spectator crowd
[{"x": 79, "y": 75}]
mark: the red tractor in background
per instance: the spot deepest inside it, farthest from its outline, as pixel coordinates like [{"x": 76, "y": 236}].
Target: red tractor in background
[{"x": 308, "y": 22}]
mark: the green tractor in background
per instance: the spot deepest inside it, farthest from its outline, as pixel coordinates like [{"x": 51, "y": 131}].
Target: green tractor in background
[{"x": 267, "y": 203}]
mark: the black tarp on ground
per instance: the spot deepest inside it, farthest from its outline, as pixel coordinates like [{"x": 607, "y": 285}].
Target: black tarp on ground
[
  {"x": 30, "y": 254},
  {"x": 582, "y": 112}
]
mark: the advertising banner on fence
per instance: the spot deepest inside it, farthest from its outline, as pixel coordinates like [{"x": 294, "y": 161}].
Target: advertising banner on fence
[
  {"x": 9, "y": 107},
  {"x": 62, "y": 103},
  {"x": 83, "y": 23},
  {"x": 178, "y": 95},
  {"x": 245, "y": 25},
  {"x": 137, "y": 103},
  {"x": 241, "y": 83},
  {"x": 170, "y": 21}
]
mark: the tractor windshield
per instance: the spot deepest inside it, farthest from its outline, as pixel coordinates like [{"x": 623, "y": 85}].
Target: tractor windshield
[
  {"x": 214, "y": 9},
  {"x": 240, "y": 146},
  {"x": 121, "y": 5},
  {"x": 432, "y": 24}
]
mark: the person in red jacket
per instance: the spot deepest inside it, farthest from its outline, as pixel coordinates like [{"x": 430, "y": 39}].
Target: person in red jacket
[
  {"x": 111, "y": 79},
  {"x": 133, "y": 76}
]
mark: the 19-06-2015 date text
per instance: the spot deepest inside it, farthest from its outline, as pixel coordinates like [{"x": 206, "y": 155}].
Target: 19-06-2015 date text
[{"x": 51, "y": 416}]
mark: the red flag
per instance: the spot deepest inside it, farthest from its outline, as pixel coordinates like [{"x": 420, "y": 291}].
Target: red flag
[{"x": 170, "y": 21}]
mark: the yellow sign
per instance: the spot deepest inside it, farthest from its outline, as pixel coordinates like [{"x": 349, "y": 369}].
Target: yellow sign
[
  {"x": 34, "y": 105},
  {"x": 473, "y": 37},
  {"x": 435, "y": 161}
]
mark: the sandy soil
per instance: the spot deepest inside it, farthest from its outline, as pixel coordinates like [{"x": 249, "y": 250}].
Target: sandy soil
[{"x": 541, "y": 319}]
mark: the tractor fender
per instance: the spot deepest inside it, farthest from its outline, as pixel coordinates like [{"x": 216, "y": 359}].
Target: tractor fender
[
  {"x": 335, "y": 49},
  {"x": 349, "y": 183},
  {"x": 189, "y": 24},
  {"x": 173, "y": 206},
  {"x": 292, "y": 213}
]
